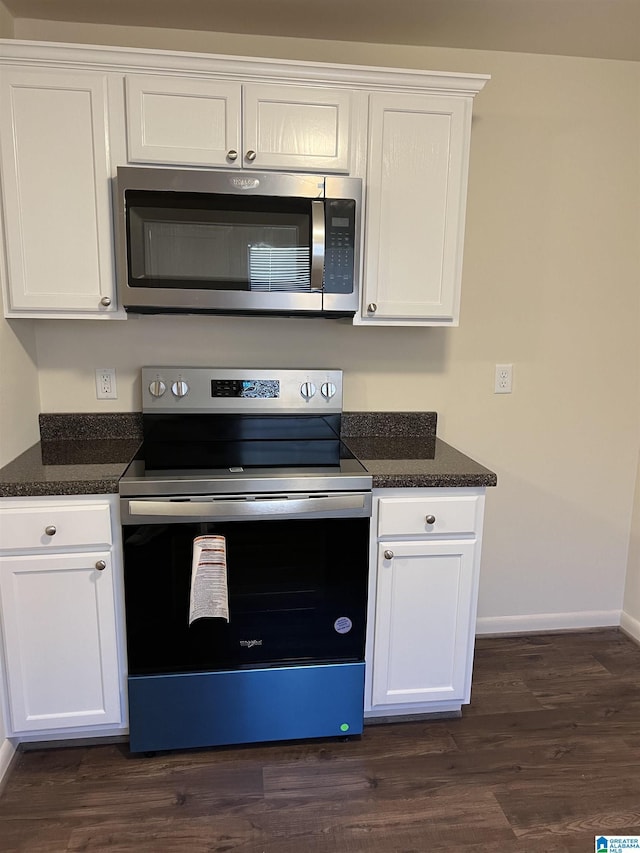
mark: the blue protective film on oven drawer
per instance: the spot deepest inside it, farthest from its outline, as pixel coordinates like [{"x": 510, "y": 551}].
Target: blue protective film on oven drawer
[{"x": 245, "y": 706}]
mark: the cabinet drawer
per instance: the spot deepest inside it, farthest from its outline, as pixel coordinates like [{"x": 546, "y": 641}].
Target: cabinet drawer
[
  {"x": 408, "y": 516},
  {"x": 77, "y": 525}
]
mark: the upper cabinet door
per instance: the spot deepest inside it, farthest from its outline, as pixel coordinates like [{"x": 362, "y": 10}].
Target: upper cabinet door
[
  {"x": 182, "y": 121},
  {"x": 416, "y": 193},
  {"x": 56, "y": 197},
  {"x": 296, "y": 127},
  {"x": 189, "y": 122}
]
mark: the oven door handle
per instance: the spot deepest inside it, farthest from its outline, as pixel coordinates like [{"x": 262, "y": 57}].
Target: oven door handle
[
  {"x": 317, "y": 245},
  {"x": 358, "y": 504}
]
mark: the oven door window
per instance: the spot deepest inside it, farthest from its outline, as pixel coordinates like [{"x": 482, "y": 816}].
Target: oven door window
[
  {"x": 297, "y": 594},
  {"x": 202, "y": 241}
]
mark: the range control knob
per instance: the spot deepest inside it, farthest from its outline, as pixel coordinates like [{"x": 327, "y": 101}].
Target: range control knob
[
  {"x": 180, "y": 388},
  {"x": 328, "y": 390},
  {"x": 157, "y": 388},
  {"x": 307, "y": 389}
]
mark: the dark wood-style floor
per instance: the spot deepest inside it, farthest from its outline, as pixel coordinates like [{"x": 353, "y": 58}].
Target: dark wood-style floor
[{"x": 546, "y": 757}]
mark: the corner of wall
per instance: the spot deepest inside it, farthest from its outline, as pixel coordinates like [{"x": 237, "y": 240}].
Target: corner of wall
[
  {"x": 631, "y": 601},
  {"x": 19, "y": 388}
]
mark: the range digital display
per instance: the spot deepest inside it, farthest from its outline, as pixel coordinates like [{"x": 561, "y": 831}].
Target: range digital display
[{"x": 262, "y": 389}]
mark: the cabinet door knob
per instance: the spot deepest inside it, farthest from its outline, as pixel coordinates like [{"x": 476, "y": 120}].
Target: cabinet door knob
[
  {"x": 50, "y": 530},
  {"x": 101, "y": 565},
  {"x": 372, "y": 308},
  {"x": 430, "y": 519},
  {"x": 251, "y": 156},
  {"x": 105, "y": 301},
  {"x": 232, "y": 155},
  {"x": 388, "y": 555}
]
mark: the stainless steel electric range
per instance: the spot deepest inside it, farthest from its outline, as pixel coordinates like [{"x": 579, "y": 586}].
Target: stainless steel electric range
[{"x": 251, "y": 459}]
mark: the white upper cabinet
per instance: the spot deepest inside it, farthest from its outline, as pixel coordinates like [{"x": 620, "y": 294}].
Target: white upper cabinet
[
  {"x": 416, "y": 194},
  {"x": 71, "y": 114},
  {"x": 296, "y": 127},
  {"x": 182, "y": 122},
  {"x": 54, "y": 157},
  {"x": 197, "y": 122}
]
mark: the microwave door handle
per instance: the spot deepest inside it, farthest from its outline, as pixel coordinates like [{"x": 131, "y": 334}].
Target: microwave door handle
[{"x": 317, "y": 245}]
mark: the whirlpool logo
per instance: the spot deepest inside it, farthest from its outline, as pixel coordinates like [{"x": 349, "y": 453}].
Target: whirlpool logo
[
  {"x": 245, "y": 183},
  {"x": 249, "y": 644}
]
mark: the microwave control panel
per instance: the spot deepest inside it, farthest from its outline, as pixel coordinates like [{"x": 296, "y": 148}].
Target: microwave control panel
[{"x": 340, "y": 229}]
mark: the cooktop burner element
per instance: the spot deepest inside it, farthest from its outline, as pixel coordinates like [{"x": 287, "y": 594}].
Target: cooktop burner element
[{"x": 237, "y": 431}]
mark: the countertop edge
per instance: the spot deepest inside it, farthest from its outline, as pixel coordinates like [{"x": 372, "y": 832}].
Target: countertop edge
[
  {"x": 38, "y": 489},
  {"x": 429, "y": 481}
]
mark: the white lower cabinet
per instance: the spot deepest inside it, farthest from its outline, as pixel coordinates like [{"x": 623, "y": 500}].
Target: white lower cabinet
[
  {"x": 424, "y": 569},
  {"x": 59, "y": 601}
]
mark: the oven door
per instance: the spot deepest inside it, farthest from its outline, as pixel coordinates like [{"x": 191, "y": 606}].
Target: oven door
[{"x": 296, "y": 576}]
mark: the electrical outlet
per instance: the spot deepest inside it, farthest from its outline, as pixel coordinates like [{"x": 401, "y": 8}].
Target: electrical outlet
[
  {"x": 504, "y": 379},
  {"x": 106, "y": 383}
]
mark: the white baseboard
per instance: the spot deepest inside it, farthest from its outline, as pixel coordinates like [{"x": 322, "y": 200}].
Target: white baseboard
[
  {"x": 7, "y": 753},
  {"x": 630, "y": 626},
  {"x": 536, "y": 622}
]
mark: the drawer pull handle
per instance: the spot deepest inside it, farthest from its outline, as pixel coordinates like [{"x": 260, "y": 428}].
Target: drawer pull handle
[
  {"x": 430, "y": 519},
  {"x": 101, "y": 565},
  {"x": 388, "y": 555},
  {"x": 50, "y": 530}
]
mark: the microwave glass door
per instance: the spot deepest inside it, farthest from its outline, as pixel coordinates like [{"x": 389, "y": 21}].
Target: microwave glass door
[{"x": 201, "y": 241}]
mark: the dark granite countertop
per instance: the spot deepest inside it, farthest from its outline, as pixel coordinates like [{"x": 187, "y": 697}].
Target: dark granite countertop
[
  {"x": 87, "y": 454},
  {"x": 78, "y": 454},
  {"x": 418, "y": 463},
  {"x": 69, "y": 467},
  {"x": 401, "y": 449}
]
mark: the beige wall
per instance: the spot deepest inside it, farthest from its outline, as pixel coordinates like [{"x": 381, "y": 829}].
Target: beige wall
[
  {"x": 631, "y": 606},
  {"x": 550, "y": 284},
  {"x": 18, "y": 388},
  {"x": 6, "y": 22}
]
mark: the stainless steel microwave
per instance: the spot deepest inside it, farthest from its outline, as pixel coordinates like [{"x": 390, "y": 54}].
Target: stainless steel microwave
[{"x": 232, "y": 242}]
